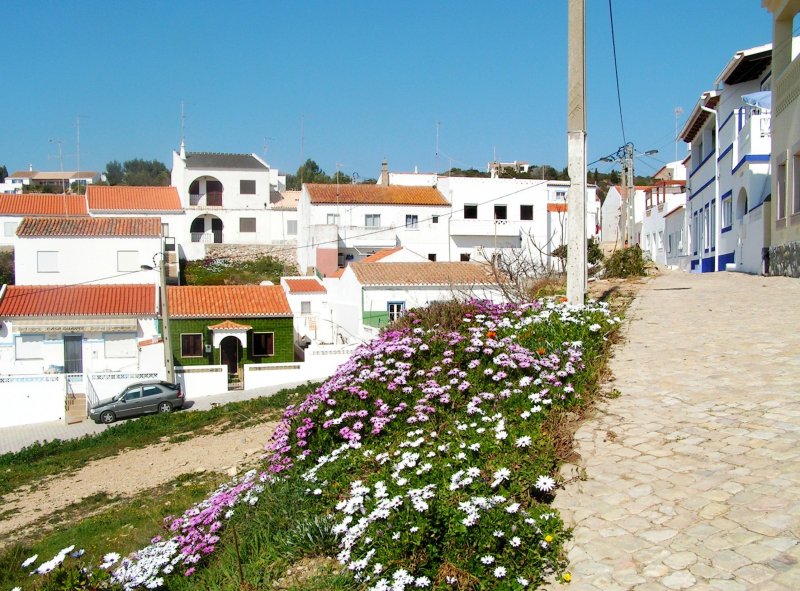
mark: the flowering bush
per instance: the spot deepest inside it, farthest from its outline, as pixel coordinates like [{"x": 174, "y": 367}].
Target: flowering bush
[{"x": 425, "y": 452}]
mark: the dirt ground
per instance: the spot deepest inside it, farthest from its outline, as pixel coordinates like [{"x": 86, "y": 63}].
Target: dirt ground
[{"x": 131, "y": 472}]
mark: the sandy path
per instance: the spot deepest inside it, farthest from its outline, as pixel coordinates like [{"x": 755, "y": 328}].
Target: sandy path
[{"x": 131, "y": 472}]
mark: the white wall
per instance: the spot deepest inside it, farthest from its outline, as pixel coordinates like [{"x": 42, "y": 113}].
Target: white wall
[
  {"x": 32, "y": 399},
  {"x": 84, "y": 260},
  {"x": 202, "y": 380}
]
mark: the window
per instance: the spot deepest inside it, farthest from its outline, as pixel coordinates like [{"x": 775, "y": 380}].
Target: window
[
  {"x": 432, "y": 256},
  {"x": 727, "y": 212},
  {"x": 291, "y": 227},
  {"x": 247, "y": 224},
  {"x": 305, "y": 308},
  {"x": 700, "y": 150},
  {"x": 712, "y": 224},
  {"x": 333, "y": 219},
  {"x": 247, "y": 187},
  {"x": 500, "y": 212},
  {"x": 395, "y": 310},
  {"x": 263, "y": 344},
  {"x": 781, "y": 190},
  {"x": 127, "y": 260},
  {"x": 133, "y": 393},
  {"x": 372, "y": 220},
  {"x": 191, "y": 345},
  {"x": 526, "y": 212},
  {"x": 28, "y": 346},
  {"x": 9, "y": 229},
  {"x": 796, "y": 185},
  {"x": 411, "y": 222},
  {"x": 464, "y": 257},
  {"x": 680, "y": 240},
  {"x": 47, "y": 261},
  {"x": 669, "y": 243},
  {"x": 660, "y": 243},
  {"x": 470, "y": 212},
  {"x": 435, "y": 219},
  {"x": 706, "y": 228},
  {"x": 150, "y": 391},
  {"x": 713, "y": 145},
  {"x": 119, "y": 344},
  {"x": 647, "y": 241},
  {"x": 561, "y": 195}
]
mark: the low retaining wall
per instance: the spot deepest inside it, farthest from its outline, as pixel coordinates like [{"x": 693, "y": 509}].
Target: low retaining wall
[
  {"x": 785, "y": 259},
  {"x": 202, "y": 380},
  {"x": 32, "y": 399}
]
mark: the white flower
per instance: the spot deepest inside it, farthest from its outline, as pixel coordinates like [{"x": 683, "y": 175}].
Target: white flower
[
  {"x": 317, "y": 491},
  {"x": 396, "y": 535},
  {"x": 545, "y": 483},
  {"x": 523, "y": 441},
  {"x": 512, "y": 508},
  {"x": 111, "y": 557},
  {"x": 500, "y": 572},
  {"x": 498, "y": 533},
  {"x": 515, "y": 542},
  {"x": 488, "y": 559},
  {"x": 499, "y": 476},
  {"x": 30, "y": 561},
  {"x": 422, "y": 582},
  {"x": 523, "y": 581},
  {"x": 594, "y": 327}
]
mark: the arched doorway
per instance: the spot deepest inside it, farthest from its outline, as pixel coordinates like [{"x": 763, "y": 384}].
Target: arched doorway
[
  {"x": 741, "y": 204},
  {"x": 230, "y": 354},
  {"x": 206, "y": 229},
  {"x": 205, "y": 191}
]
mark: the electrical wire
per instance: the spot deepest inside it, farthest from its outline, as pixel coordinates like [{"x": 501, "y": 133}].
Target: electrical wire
[{"x": 616, "y": 71}]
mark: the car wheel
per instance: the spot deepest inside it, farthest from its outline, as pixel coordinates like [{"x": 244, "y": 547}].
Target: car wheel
[
  {"x": 107, "y": 417},
  {"x": 165, "y": 407}
]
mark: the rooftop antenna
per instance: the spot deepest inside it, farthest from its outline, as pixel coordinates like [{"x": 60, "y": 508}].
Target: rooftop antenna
[
  {"x": 78, "y": 152},
  {"x": 266, "y": 145},
  {"x": 678, "y": 113},
  {"x": 302, "y": 146},
  {"x": 61, "y": 163},
  {"x": 438, "y": 123}
]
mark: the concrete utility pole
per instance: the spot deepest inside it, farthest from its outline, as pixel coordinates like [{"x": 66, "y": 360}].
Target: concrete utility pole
[
  {"x": 630, "y": 202},
  {"x": 576, "y": 146}
]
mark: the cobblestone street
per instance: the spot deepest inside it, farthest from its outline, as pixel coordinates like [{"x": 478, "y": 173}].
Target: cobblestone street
[{"x": 690, "y": 479}]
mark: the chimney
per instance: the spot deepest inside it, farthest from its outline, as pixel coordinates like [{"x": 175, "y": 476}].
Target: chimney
[
  {"x": 384, "y": 173},
  {"x": 182, "y": 152}
]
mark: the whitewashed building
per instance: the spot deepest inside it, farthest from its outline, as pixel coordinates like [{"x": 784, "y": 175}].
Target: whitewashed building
[
  {"x": 612, "y": 215},
  {"x": 230, "y": 199},
  {"x": 675, "y": 251},
  {"x": 308, "y": 300},
  {"x": 729, "y": 169},
  {"x": 14, "y": 208},
  {"x": 60, "y": 181},
  {"x": 667, "y": 194}
]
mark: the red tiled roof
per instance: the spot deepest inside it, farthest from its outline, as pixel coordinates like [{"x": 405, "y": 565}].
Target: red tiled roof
[
  {"x": 305, "y": 285},
  {"x": 557, "y": 207},
  {"x": 226, "y": 301},
  {"x": 30, "y": 204},
  {"x": 123, "y": 198},
  {"x": 336, "y": 274},
  {"x": 423, "y": 273},
  {"x": 381, "y": 254},
  {"x": 118, "y": 227},
  {"x": 230, "y": 325},
  {"x": 375, "y": 195},
  {"x": 79, "y": 300}
]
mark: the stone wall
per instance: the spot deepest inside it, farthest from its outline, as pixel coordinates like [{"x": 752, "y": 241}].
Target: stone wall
[{"x": 785, "y": 259}]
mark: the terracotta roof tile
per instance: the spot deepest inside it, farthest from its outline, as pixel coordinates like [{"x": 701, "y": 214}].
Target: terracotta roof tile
[
  {"x": 230, "y": 325},
  {"x": 381, "y": 254},
  {"x": 305, "y": 285},
  {"x": 557, "y": 207},
  {"x": 227, "y": 301},
  {"x": 118, "y": 227},
  {"x": 424, "y": 273},
  {"x": 79, "y": 300},
  {"x": 123, "y": 198},
  {"x": 375, "y": 195},
  {"x": 29, "y": 204}
]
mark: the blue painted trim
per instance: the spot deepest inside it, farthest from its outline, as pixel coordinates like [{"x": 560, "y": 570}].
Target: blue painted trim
[
  {"x": 700, "y": 190},
  {"x": 769, "y": 73},
  {"x": 694, "y": 264},
  {"x": 755, "y": 207},
  {"x": 751, "y": 158},
  {"x": 727, "y": 229},
  {"x": 725, "y": 153},
  {"x": 728, "y": 194},
  {"x": 707, "y": 266},
  {"x": 699, "y": 166},
  {"x": 724, "y": 259},
  {"x": 728, "y": 118}
]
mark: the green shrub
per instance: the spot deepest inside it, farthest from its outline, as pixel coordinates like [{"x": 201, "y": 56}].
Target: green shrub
[{"x": 628, "y": 262}]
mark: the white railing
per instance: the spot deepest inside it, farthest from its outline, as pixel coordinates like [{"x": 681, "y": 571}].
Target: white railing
[{"x": 207, "y": 237}]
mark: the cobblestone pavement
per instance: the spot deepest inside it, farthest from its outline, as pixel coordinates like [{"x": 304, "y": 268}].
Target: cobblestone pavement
[
  {"x": 690, "y": 479},
  {"x": 13, "y": 439}
]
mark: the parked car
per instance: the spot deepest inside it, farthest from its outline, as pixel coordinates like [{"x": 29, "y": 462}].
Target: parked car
[{"x": 136, "y": 399}]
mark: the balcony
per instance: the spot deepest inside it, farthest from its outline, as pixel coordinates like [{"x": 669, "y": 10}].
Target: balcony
[
  {"x": 210, "y": 199},
  {"x": 754, "y": 133},
  {"x": 368, "y": 236},
  {"x": 484, "y": 228},
  {"x": 207, "y": 237}
]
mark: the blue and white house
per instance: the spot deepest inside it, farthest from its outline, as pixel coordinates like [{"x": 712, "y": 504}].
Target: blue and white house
[{"x": 729, "y": 170}]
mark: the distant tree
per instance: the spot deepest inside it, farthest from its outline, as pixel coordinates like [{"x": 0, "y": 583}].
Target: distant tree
[
  {"x": 3, "y": 172},
  {"x": 138, "y": 172},
  {"x": 469, "y": 172},
  {"x": 41, "y": 188},
  {"x": 341, "y": 178},
  {"x": 77, "y": 188},
  {"x": 7, "y": 267},
  {"x": 309, "y": 172},
  {"x": 613, "y": 178},
  {"x": 369, "y": 181},
  {"x": 115, "y": 173}
]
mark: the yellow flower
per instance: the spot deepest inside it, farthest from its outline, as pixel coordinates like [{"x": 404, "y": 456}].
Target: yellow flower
[
  {"x": 548, "y": 538},
  {"x": 567, "y": 577}
]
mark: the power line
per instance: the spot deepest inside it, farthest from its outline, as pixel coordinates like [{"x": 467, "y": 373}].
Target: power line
[{"x": 616, "y": 71}]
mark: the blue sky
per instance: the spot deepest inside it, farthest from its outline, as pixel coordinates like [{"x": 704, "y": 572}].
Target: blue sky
[{"x": 368, "y": 80}]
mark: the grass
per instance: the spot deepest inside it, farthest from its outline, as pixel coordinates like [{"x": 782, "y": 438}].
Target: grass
[
  {"x": 40, "y": 460},
  {"x": 219, "y": 270},
  {"x": 108, "y": 524}
]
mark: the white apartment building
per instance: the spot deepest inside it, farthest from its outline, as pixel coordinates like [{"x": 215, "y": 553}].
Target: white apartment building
[{"x": 667, "y": 194}]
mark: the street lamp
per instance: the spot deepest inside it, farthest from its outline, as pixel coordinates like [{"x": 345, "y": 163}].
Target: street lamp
[{"x": 166, "y": 337}]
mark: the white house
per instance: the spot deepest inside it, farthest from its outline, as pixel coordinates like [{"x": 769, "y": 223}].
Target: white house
[
  {"x": 61, "y": 181},
  {"x": 308, "y": 300},
  {"x": 667, "y": 194},
  {"x": 229, "y": 199},
  {"x": 75, "y": 328},
  {"x": 675, "y": 251},
  {"x": 64, "y": 250},
  {"x": 368, "y": 295},
  {"x": 612, "y": 215},
  {"x": 339, "y": 224},
  {"x": 783, "y": 222},
  {"x": 729, "y": 169},
  {"x": 13, "y": 208}
]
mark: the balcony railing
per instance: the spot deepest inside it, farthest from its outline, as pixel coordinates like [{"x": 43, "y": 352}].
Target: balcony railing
[
  {"x": 211, "y": 199},
  {"x": 754, "y": 135},
  {"x": 207, "y": 237}
]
